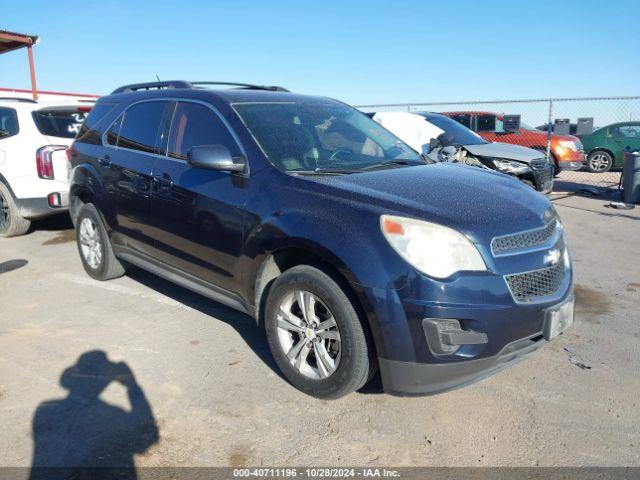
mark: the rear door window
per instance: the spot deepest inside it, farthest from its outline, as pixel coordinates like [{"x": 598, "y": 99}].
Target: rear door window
[
  {"x": 195, "y": 125},
  {"x": 63, "y": 122},
  {"x": 139, "y": 129},
  {"x": 8, "y": 123}
]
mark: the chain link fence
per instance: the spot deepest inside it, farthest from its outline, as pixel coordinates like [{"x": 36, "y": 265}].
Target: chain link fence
[{"x": 584, "y": 137}]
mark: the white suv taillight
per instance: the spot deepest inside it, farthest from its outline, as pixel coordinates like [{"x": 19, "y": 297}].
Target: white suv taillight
[{"x": 44, "y": 160}]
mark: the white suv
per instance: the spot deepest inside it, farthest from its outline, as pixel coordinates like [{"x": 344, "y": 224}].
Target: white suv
[{"x": 34, "y": 137}]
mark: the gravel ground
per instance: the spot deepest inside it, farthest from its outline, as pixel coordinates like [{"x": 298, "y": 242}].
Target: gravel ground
[{"x": 209, "y": 387}]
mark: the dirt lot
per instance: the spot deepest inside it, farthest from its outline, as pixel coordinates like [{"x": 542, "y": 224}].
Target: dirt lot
[{"x": 214, "y": 395}]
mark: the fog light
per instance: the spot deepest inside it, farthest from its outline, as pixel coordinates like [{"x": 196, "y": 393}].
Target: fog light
[
  {"x": 445, "y": 335},
  {"x": 54, "y": 200}
]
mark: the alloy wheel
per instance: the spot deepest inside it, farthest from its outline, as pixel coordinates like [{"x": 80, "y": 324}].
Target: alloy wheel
[
  {"x": 599, "y": 162},
  {"x": 308, "y": 334},
  {"x": 90, "y": 243}
]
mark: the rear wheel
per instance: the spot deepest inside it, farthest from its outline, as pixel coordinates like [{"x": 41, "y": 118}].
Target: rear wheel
[
  {"x": 94, "y": 246},
  {"x": 599, "y": 161},
  {"x": 12, "y": 224},
  {"x": 315, "y": 334}
]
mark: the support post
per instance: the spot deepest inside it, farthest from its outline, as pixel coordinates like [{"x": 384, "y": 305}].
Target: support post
[
  {"x": 32, "y": 72},
  {"x": 549, "y": 130}
]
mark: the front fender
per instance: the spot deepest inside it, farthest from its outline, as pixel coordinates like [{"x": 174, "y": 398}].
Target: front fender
[
  {"x": 372, "y": 269},
  {"x": 355, "y": 248}
]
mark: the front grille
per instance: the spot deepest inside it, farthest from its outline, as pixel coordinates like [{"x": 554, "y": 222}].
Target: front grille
[
  {"x": 539, "y": 164},
  {"x": 526, "y": 287},
  {"x": 528, "y": 239},
  {"x": 544, "y": 176}
]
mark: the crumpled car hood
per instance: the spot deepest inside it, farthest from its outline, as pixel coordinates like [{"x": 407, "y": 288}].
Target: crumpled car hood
[{"x": 505, "y": 150}]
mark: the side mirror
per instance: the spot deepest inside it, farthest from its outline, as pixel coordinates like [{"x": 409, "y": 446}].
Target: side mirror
[
  {"x": 511, "y": 123},
  {"x": 215, "y": 157}
]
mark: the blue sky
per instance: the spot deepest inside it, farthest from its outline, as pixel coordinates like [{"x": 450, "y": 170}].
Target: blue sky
[{"x": 358, "y": 51}]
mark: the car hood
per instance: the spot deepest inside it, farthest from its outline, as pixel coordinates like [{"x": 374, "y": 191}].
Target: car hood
[
  {"x": 505, "y": 150},
  {"x": 531, "y": 134},
  {"x": 480, "y": 203}
]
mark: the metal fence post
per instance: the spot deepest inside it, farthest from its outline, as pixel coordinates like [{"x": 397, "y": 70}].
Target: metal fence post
[{"x": 549, "y": 129}]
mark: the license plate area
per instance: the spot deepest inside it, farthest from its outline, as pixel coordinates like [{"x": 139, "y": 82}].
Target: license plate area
[{"x": 559, "y": 318}]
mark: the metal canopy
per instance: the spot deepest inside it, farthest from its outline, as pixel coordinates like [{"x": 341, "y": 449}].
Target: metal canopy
[{"x": 10, "y": 41}]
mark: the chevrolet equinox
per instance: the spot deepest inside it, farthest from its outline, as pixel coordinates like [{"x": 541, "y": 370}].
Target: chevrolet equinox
[{"x": 348, "y": 247}]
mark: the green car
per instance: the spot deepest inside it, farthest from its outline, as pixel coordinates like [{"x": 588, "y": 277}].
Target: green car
[{"x": 605, "y": 145}]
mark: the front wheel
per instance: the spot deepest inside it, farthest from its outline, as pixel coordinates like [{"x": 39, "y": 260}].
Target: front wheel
[
  {"x": 599, "y": 162},
  {"x": 315, "y": 334}
]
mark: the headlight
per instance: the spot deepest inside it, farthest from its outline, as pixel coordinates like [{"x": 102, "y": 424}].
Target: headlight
[
  {"x": 568, "y": 144},
  {"x": 433, "y": 249},
  {"x": 510, "y": 166}
]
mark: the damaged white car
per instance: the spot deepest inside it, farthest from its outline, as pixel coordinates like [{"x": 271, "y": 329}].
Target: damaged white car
[{"x": 442, "y": 139}]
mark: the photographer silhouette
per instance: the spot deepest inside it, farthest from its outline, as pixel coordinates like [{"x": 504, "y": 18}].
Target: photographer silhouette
[{"x": 81, "y": 436}]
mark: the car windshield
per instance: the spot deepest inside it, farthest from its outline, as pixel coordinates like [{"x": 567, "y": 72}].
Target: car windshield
[
  {"x": 454, "y": 132},
  {"x": 322, "y": 137}
]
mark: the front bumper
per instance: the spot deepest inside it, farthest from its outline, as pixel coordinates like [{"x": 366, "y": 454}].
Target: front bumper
[
  {"x": 412, "y": 378},
  {"x": 484, "y": 321},
  {"x": 571, "y": 166},
  {"x": 34, "y": 208},
  {"x": 569, "y": 159}
]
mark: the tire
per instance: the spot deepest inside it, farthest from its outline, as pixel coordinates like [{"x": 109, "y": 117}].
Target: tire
[
  {"x": 349, "y": 354},
  {"x": 94, "y": 246},
  {"x": 599, "y": 161},
  {"x": 12, "y": 224}
]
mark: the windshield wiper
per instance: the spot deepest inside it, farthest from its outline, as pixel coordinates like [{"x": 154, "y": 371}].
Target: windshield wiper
[
  {"x": 321, "y": 170},
  {"x": 340, "y": 171},
  {"x": 391, "y": 163}
]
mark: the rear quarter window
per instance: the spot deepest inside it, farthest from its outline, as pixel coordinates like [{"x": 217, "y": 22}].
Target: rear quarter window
[
  {"x": 90, "y": 129},
  {"x": 63, "y": 122},
  {"x": 8, "y": 123}
]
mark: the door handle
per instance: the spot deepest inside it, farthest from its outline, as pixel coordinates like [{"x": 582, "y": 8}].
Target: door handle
[
  {"x": 163, "y": 180},
  {"x": 105, "y": 160}
]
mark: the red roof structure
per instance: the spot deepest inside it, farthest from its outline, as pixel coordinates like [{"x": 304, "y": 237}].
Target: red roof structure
[{"x": 10, "y": 41}]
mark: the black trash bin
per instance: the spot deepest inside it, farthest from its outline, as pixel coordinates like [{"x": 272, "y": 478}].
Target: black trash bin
[{"x": 631, "y": 177}]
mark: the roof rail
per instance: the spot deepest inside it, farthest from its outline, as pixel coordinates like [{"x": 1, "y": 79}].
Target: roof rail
[
  {"x": 134, "y": 87},
  {"x": 152, "y": 86},
  {"x": 19, "y": 99},
  {"x": 248, "y": 86}
]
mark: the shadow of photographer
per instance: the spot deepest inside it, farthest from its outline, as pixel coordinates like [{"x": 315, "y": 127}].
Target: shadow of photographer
[{"x": 82, "y": 436}]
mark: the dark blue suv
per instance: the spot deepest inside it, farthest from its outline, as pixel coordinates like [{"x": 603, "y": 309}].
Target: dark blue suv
[{"x": 352, "y": 251}]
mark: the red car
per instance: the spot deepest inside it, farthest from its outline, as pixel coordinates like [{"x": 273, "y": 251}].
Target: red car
[{"x": 566, "y": 150}]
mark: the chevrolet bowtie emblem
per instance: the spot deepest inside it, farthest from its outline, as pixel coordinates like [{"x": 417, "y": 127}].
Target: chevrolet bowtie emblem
[{"x": 553, "y": 257}]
